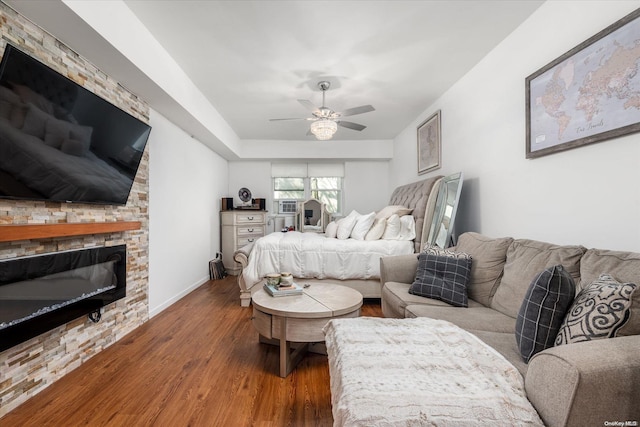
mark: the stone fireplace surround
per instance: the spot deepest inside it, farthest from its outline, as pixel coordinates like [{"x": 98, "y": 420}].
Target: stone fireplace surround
[{"x": 29, "y": 367}]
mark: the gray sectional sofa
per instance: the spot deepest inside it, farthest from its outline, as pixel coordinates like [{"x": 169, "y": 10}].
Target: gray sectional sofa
[{"x": 579, "y": 384}]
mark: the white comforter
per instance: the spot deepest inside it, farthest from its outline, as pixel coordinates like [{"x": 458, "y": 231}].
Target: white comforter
[
  {"x": 311, "y": 255},
  {"x": 420, "y": 372}
]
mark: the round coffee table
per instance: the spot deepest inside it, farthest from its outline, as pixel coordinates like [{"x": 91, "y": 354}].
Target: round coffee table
[{"x": 299, "y": 319}]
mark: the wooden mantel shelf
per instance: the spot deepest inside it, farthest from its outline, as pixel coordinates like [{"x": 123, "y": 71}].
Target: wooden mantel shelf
[{"x": 11, "y": 233}]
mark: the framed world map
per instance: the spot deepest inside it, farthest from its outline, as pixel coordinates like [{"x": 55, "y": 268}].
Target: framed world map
[{"x": 587, "y": 95}]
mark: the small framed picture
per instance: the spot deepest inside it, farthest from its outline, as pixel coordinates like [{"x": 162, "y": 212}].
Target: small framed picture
[{"x": 429, "y": 144}]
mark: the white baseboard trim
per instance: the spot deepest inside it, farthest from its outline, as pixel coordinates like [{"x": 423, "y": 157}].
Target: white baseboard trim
[{"x": 157, "y": 310}]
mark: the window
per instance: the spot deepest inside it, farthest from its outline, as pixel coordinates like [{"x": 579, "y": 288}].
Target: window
[
  {"x": 329, "y": 191},
  {"x": 288, "y": 188},
  {"x": 322, "y": 181}
]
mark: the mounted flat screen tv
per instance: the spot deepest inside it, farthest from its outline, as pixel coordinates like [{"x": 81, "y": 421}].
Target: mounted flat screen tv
[{"x": 60, "y": 142}]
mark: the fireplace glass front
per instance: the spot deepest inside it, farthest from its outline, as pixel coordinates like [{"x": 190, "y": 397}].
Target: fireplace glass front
[{"x": 39, "y": 293}]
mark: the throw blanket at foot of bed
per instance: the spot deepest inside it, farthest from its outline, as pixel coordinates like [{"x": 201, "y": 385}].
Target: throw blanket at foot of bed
[{"x": 420, "y": 372}]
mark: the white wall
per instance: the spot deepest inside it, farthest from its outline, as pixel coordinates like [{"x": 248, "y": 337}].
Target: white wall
[
  {"x": 254, "y": 175},
  {"x": 186, "y": 182},
  {"x": 366, "y": 186},
  {"x": 589, "y": 195}
]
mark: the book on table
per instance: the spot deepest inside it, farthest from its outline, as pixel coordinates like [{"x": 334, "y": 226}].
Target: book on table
[{"x": 276, "y": 291}]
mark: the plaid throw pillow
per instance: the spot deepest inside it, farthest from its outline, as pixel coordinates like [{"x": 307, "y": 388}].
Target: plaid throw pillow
[
  {"x": 443, "y": 277},
  {"x": 541, "y": 314}
]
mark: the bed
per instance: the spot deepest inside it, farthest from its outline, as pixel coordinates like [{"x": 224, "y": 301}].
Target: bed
[{"x": 313, "y": 257}]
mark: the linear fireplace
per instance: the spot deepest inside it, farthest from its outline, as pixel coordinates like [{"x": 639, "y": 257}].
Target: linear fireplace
[{"x": 39, "y": 293}]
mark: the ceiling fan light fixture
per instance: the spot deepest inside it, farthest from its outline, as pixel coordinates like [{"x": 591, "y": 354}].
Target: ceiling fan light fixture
[
  {"x": 325, "y": 121},
  {"x": 324, "y": 129}
]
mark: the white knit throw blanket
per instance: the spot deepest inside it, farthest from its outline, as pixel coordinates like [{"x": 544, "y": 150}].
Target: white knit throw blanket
[{"x": 420, "y": 372}]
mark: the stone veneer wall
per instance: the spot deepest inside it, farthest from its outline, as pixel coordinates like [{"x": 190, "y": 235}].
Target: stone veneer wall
[{"x": 31, "y": 366}]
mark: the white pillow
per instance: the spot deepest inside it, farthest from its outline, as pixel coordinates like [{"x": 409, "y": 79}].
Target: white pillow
[
  {"x": 376, "y": 230},
  {"x": 346, "y": 224},
  {"x": 331, "y": 230},
  {"x": 407, "y": 228},
  {"x": 387, "y": 211},
  {"x": 362, "y": 226},
  {"x": 392, "y": 228}
]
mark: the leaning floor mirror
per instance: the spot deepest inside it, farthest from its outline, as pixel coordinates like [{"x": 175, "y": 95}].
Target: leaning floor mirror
[{"x": 444, "y": 215}]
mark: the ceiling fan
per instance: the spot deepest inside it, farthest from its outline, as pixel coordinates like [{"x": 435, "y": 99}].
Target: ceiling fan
[{"x": 325, "y": 121}]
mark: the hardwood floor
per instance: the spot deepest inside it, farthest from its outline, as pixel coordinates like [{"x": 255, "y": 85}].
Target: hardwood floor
[{"x": 198, "y": 363}]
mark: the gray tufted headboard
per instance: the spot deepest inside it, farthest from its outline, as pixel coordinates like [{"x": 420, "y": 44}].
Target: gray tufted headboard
[{"x": 421, "y": 197}]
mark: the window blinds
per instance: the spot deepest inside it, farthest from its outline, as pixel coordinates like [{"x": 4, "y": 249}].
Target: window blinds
[{"x": 303, "y": 170}]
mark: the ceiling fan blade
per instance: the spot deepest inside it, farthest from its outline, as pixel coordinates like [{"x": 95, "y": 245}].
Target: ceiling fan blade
[
  {"x": 351, "y": 125},
  {"x": 357, "y": 110},
  {"x": 309, "y": 105},
  {"x": 292, "y": 118}
]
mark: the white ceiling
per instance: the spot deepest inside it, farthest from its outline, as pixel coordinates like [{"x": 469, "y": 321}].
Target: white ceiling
[{"x": 253, "y": 59}]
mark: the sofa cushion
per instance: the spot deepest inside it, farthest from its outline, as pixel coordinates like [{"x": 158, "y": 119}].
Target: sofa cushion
[
  {"x": 489, "y": 256},
  {"x": 396, "y": 297},
  {"x": 526, "y": 259},
  {"x": 476, "y": 316},
  {"x": 398, "y": 268},
  {"x": 624, "y": 267},
  {"x": 598, "y": 311},
  {"x": 443, "y": 277},
  {"x": 543, "y": 309},
  {"x": 504, "y": 344}
]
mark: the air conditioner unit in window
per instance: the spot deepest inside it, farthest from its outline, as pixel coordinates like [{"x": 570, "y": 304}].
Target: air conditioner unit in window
[{"x": 287, "y": 206}]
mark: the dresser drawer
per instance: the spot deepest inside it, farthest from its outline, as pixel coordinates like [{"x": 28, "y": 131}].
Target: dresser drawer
[
  {"x": 245, "y": 240},
  {"x": 249, "y": 218},
  {"x": 248, "y": 230}
]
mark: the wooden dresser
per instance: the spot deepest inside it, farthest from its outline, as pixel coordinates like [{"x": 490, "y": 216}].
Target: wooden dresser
[{"x": 239, "y": 228}]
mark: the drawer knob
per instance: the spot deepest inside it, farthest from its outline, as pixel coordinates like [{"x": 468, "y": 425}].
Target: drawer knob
[
  {"x": 250, "y": 230},
  {"x": 250, "y": 240},
  {"x": 250, "y": 218}
]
